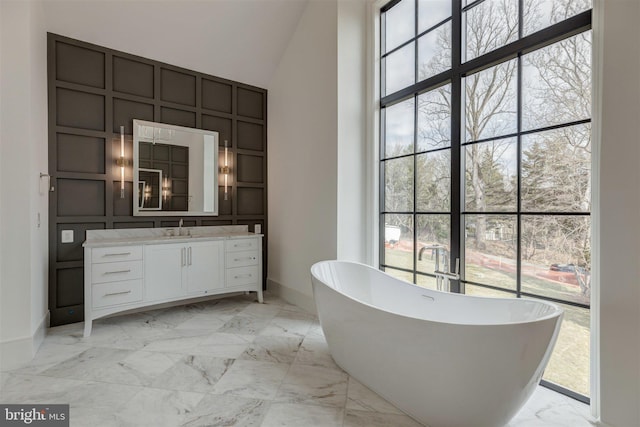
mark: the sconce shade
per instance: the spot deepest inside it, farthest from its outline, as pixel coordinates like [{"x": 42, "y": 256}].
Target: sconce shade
[
  {"x": 121, "y": 162},
  {"x": 225, "y": 170}
]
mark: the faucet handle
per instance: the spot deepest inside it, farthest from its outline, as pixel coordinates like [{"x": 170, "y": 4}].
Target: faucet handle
[{"x": 451, "y": 275}]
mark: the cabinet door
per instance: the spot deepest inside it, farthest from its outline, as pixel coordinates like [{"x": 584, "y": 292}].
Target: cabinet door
[
  {"x": 164, "y": 271},
  {"x": 205, "y": 266}
]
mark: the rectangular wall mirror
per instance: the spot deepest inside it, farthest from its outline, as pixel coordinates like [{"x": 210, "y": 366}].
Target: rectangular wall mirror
[{"x": 175, "y": 170}]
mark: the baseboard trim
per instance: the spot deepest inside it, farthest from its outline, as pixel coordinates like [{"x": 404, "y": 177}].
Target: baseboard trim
[
  {"x": 292, "y": 296},
  {"x": 16, "y": 352},
  {"x": 41, "y": 332}
]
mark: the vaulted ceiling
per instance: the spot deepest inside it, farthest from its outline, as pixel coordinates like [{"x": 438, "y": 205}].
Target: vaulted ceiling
[{"x": 242, "y": 40}]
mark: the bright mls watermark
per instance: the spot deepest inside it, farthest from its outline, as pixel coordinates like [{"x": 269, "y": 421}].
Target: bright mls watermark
[{"x": 34, "y": 415}]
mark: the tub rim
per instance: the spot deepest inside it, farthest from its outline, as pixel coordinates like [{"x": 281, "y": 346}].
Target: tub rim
[{"x": 558, "y": 312}]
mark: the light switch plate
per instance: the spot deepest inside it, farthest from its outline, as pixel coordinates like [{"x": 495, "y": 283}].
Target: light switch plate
[
  {"x": 67, "y": 236},
  {"x": 257, "y": 228}
]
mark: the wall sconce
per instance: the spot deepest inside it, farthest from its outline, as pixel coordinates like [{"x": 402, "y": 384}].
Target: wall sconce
[
  {"x": 147, "y": 192},
  {"x": 165, "y": 188},
  {"x": 225, "y": 170},
  {"x": 122, "y": 162}
]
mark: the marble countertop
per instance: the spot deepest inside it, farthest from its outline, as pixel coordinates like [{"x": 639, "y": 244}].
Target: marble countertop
[{"x": 139, "y": 236}]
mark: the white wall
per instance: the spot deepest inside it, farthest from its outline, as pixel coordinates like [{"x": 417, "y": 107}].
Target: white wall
[
  {"x": 302, "y": 154},
  {"x": 620, "y": 215},
  {"x": 354, "y": 222},
  {"x": 241, "y": 40},
  {"x": 23, "y": 138},
  {"x": 38, "y": 137},
  {"x": 2, "y": 179}
]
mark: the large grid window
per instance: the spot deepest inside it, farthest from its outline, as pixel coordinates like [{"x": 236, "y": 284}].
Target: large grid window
[{"x": 485, "y": 156}]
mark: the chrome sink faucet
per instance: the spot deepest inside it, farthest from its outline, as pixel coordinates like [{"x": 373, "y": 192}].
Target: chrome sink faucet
[{"x": 180, "y": 223}]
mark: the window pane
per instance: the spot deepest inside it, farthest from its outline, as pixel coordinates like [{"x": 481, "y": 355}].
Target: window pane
[
  {"x": 399, "y": 68},
  {"x": 490, "y": 250},
  {"x": 480, "y": 291},
  {"x": 491, "y": 181},
  {"x": 398, "y": 189},
  {"x": 539, "y": 14},
  {"x": 427, "y": 282},
  {"x": 433, "y": 181},
  {"x": 399, "y": 274},
  {"x": 399, "y": 24},
  {"x": 434, "y": 119},
  {"x": 556, "y": 256},
  {"x": 433, "y": 242},
  {"x": 489, "y": 25},
  {"x": 398, "y": 241},
  {"x": 399, "y": 128},
  {"x": 491, "y": 102},
  {"x": 569, "y": 363},
  {"x": 556, "y": 170},
  {"x": 434, "y": 52},
  {"x": 556, "y": 84},
  {"x": 431, "y": 12}
]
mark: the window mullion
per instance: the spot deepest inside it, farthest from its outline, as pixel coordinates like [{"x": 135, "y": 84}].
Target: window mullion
[
  {"x": 381, "y": 186},
  {"x": 519, "y": 156},
  {"x": 456, "y": 131},
  {"x": 520, "y": 18},
  {"x": 415, "y": 145},
  {"x": 519, "y": 176}
]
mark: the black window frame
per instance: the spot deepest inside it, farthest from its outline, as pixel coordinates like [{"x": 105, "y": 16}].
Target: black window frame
[{"x": 574, "y": 25}]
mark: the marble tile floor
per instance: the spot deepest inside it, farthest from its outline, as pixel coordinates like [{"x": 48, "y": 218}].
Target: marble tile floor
[{"x": 225, "y": 362}]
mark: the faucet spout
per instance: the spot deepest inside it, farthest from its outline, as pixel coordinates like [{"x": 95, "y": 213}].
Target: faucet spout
[{"x": 180, "y": 223}]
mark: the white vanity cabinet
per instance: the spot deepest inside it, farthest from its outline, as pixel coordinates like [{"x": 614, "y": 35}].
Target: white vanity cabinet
[
  {"x": 121, "y": 277},
  {"x": 116, "y": 276},
  {"x": 243, "y": 262},
  {"x": 175, "y": 269}
]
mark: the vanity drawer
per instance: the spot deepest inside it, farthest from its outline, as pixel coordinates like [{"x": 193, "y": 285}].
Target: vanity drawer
[
  {"x": 240, "y": 245},
  {"x": 242, "y": 259},
  {"x": 116, "y": 253},
  {"x": 116, "y": 271},
  {"x": 242, "y": 276},
  {"x": 106, "y": 294}
]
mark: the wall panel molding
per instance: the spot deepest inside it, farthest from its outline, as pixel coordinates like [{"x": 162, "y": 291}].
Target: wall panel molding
[{"x": 93, "y": 90}]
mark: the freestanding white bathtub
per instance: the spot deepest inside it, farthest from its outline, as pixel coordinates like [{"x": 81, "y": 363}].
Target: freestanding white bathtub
[{"x": 447, "y": 360}]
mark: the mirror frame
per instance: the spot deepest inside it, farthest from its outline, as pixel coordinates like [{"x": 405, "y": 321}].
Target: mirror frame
[{"x": 136, "y": 167}]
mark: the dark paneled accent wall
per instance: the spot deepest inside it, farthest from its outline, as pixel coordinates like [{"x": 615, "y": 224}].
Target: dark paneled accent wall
[{"x": 92, "y": 92}]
